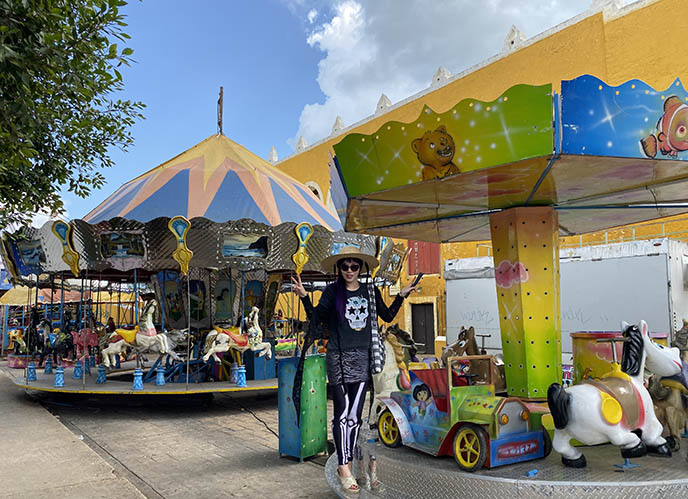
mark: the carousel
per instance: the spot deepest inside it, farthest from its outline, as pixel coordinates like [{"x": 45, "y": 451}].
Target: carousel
[
  {"x": 176, "y": 276},
  {"x": 522, "y": 170}
]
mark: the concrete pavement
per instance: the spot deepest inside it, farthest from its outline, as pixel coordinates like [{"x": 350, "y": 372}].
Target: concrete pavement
[
  {"x": 40, "y": 458},
  {"x": 171, "y": 447}
]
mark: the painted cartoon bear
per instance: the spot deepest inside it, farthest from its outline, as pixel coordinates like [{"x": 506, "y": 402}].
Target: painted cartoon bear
[{"x": 435, "y": 150}]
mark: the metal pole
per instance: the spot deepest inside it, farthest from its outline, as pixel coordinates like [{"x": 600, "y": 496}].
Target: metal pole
[
  {"x": 26, "y": 367},
  {"x": 242, "y": 305},
  {"x": 5, "y": 320},
  {"x": 136, "y": 297},
  {"x": 52, "y": 292},
  {"x": 162, "y": 302},
  {"x": 188, "y": 333},
  {"x": 231, "y": 305},
  {"x": 119, "y": 301},
  {"x": 81, "y": 306},
  {"x": 61, "y": 298}
]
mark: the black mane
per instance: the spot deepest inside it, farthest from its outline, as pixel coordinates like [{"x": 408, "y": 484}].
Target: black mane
[{"x": 632, "y": 351}]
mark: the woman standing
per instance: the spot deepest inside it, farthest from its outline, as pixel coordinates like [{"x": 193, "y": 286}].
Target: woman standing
[{"x": 346, "y": 307}]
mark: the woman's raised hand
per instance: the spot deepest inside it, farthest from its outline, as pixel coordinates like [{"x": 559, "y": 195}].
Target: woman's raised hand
[{"x": 297, "y": 286}]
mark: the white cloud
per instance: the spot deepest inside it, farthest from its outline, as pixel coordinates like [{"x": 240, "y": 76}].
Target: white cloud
[
  {"x": 385, "y": 46},
  {"x": 312, "y": 14}
]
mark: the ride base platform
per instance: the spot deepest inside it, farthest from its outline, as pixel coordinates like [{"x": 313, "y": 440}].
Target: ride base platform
[
  {"x": 44, "y": 383},
  {"x": 407, "y": 473}
]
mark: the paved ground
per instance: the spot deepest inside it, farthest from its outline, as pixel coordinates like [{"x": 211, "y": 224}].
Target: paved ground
[{"x": 154, "y": 447}]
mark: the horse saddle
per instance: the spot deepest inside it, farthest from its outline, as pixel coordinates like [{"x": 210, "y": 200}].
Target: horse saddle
[
  {"x": 128, "y": 335},
  {"x": 623, "y": 391},
  {"x": 679, "y": 381},
  {"x": 236, "y": 337}
]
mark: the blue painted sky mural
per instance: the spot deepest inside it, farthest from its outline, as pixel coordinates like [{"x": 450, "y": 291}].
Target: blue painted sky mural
[{"x": 603, "y": 120}]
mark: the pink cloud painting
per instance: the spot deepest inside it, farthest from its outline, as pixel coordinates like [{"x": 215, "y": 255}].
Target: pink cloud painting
[{"x": 507, "y": 274}]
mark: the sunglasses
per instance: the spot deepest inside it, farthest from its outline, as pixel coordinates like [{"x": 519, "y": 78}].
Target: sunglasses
[{"x": 354, "y": 267}]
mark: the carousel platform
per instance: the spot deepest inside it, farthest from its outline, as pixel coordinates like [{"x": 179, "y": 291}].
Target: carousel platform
[
  {"x": 113, "y": 386},
  {"x": 406, "y": 473}
]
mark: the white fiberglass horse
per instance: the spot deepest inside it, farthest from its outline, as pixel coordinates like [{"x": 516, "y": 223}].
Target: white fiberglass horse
[
  {"x": 143, "y": 338},
  {"x": 222, "y": 340},
  {"x": 612, "y": 408}
]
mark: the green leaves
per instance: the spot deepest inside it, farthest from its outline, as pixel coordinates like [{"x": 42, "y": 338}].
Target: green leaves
[{"x": 58, "y": 117}]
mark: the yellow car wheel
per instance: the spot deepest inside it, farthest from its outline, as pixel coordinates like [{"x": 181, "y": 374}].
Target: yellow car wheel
[
  {"x": 470, "y": 447},
  {"x": 388, "y": 429}
]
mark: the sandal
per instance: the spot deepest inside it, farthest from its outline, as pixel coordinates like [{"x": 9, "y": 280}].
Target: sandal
[{"x": 348, "y": 483}]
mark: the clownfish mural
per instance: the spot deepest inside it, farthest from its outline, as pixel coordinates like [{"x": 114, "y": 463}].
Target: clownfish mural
[{"x": 672, "y": 130}]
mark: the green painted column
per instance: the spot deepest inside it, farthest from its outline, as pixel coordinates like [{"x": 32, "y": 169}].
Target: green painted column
[{"x": 525, "y": 247}]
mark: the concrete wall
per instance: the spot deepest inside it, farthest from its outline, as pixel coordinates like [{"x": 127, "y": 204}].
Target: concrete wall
[{"x": 644, "y": 40}]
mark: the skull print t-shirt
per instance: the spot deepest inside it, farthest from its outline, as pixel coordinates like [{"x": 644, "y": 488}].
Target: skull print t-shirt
[{"x": 354, "y": 331}]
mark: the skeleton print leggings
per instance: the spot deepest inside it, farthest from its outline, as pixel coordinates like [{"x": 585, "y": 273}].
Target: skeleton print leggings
[{"x": 348, "y": 400}]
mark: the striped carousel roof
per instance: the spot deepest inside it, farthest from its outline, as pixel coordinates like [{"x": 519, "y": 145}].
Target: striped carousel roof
[{"x": 220, "y": 180}]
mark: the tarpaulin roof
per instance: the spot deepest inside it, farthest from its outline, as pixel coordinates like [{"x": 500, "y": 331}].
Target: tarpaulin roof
[
  {"x": 220, "y": 180},
  {"x": 21, "y": 295}
]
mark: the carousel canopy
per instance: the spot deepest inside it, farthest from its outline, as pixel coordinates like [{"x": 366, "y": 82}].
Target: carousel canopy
[
  {"x": 220, "y": 180},
  {"x": 602, "y": 156}
]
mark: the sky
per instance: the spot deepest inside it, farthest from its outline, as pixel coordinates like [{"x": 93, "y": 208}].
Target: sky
[{"x": 290, "y": 67}]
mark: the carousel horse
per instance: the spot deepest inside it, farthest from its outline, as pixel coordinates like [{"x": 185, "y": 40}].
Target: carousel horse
[
  {"x": 614, "y": 408},
  {"x": 222, "y": 340},
  {"x": 680, "y": 340},
  {"x": 86, "y": 339},
  {"x": 406, "y": 341},
  {"x": 55, "y": 343},
  {"x": 668, "y": 387},
  {"x": 670, "y": 408},
  {"x": 466, "y": 344},
  {"x": 17, "y": 344},
  {"x": 112, "y": 349},
  {"x": 394, "y": 375},
  {"x": 143, "y": 338},
  {"x": 33, "y": 338}
]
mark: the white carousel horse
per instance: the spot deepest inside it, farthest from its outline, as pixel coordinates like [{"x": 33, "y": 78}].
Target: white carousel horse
[
  {"x": 222, "y": 340},
  {"x": 143, "y": 338},
  {"x": 612, "y": 408},
  {"x": 394, "y": 376}
]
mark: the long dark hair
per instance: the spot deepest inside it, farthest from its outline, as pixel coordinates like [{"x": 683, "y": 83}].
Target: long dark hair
[{"x": 340, "y": 285}]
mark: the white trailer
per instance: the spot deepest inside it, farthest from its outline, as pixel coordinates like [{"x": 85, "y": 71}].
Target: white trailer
[{"x": 600, "y": 287}]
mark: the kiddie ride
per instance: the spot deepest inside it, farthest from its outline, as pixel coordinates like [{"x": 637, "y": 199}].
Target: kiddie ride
[{"x": 454, "y": 411}]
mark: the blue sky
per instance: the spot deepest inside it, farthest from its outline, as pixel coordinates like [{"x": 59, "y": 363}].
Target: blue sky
[{"x": 290, "y": 67}]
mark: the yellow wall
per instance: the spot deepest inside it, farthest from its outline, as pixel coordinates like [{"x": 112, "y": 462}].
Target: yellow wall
[{"x": 647, "y": 43}]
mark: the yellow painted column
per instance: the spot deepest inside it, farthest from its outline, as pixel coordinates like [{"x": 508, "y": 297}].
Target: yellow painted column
[{"x": 526, "y": 257}]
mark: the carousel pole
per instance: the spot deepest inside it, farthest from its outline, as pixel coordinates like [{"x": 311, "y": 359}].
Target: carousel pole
[
  {"x": 31, "y": 316},
  {"x": 79, "y": 329},
  {"x": 188, "y": 333},
  {"x": 81, "y": 306},
  {"x": 242, "y": 304},
  {"x": 52, "y": 292},
  {"x": 162, "y": 302},
  {"x": 136, "y": 298},
  {"x": 62, "y": 299},
  {"x": 100, "y": 279},
  {"x": 119, "y": 300},
  {"x": 231, "y": 305},
  {"x": 179, "y": 226}
]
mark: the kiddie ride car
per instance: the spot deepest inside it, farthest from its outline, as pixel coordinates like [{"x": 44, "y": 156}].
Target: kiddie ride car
[{"x": 454, "y": 411}]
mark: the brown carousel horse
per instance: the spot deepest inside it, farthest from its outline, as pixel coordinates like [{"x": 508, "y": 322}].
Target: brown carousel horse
[{"x": 466, "y": 344}]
